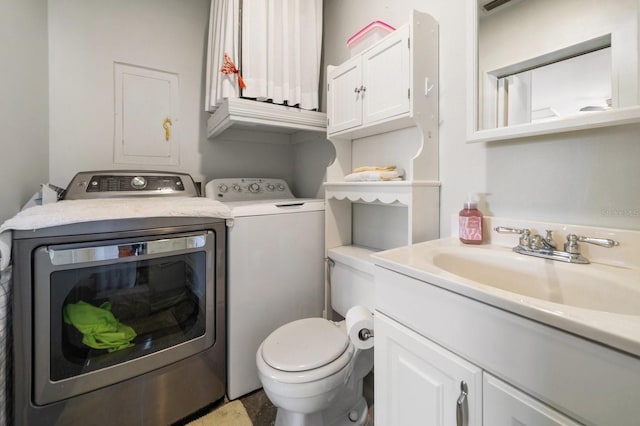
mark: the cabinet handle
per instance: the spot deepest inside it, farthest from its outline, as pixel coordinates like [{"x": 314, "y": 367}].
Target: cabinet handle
[
  {"x": 167, "y": 123},
  {"x": 363, "y": 89},
  {"x": 462, "y": 406}
]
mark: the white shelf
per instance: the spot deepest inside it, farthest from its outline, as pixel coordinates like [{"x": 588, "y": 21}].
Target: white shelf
[
  {"x": 247, "y": 114},
  {"x": 383, "y": 192}
]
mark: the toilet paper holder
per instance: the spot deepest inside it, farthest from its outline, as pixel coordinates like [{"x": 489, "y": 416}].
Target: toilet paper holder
[{"x": 365, "y": 334}]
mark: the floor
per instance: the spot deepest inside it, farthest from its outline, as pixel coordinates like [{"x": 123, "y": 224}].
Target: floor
[{"x": 255, "y": 410}]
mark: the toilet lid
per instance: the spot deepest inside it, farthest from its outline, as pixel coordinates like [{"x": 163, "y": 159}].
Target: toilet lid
[{"x": 304, "y": 345}]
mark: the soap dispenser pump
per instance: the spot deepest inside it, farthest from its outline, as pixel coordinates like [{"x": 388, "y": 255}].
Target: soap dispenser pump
[{"x": 470, "y": 222}]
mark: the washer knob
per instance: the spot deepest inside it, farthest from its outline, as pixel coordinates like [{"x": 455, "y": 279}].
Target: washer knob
[
  {"x": 271, "y": 187},
  {"x": 138, "y": 182},
  {"x": 254, "y": 187},
  {"x": 236, "y": 187},
  {"x": 223, "y": 188},
  {"x": 280, "y": 187}
]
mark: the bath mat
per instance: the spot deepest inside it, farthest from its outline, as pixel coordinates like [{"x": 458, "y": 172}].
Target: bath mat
[{"x": 230, "y": 414}]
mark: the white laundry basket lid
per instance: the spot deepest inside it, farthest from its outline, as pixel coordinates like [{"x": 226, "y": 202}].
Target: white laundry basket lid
[{"x": 304, "y": 345}]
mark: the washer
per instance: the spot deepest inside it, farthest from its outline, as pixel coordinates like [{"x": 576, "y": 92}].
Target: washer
[{"x": 275, "y": 267}]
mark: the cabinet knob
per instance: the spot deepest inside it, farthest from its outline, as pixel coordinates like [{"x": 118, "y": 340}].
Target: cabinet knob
[{"x": 356, "y": 90}]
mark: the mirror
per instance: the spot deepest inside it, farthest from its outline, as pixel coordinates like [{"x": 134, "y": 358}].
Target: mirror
[{"x": 546, "y": 66}]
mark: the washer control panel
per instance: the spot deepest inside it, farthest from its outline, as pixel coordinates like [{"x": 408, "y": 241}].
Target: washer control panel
[{"x": 247, "y": 189}]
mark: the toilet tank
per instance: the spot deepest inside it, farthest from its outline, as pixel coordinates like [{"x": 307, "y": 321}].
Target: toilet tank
[{"x": 351, "y": 279}]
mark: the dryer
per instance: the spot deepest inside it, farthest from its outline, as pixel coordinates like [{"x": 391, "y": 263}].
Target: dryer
[{"x": 275, "y": 267}]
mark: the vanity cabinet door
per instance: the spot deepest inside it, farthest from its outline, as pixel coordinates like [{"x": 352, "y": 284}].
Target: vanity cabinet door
[
  {"x": 505, "y": 405},
  {"x": 418, "y": 382},
  {"x": 344, "y": 96},
  {"x": 385, "y": 80}
]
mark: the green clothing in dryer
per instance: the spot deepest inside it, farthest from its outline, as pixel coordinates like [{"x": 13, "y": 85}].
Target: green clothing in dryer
[{"x": 101, "y": 330}]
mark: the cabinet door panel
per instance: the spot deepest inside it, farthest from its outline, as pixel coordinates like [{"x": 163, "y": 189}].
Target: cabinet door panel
[
  {"x": 146, "y": 116},
  {"x": 386, "y": 78},
  {"x": 418, "y": 381},
  {"x": 507, "y": 406},
  {"x": 344, "y": 106}
]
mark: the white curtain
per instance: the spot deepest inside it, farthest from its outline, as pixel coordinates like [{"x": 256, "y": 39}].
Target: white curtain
[
  {"x": 281, "y": 48},
  {"x": 224, "y": 39}
]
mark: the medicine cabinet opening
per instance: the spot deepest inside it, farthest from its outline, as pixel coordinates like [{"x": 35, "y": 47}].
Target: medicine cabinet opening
[{"x": 563, "y": 83}]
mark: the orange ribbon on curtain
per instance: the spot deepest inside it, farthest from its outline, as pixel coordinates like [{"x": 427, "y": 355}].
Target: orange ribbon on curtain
[{"x": 230, "y": 68}]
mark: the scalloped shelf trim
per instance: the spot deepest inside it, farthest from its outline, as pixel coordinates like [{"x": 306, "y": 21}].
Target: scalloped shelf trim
[
  {"x": 398, "y": 192},
  {"x": 371, "y": 192},
  {"x": 372, "y": 197}
]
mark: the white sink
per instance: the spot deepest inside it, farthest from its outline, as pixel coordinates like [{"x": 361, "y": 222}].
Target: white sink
[
  {"x": 599, "y": 301},
  {"x": 597, "y": 287}
]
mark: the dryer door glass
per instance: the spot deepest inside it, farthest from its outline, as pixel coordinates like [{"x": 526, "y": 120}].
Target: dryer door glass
[{"x": 118, "y": 309}]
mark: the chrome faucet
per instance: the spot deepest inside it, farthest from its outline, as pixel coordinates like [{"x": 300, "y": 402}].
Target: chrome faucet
[{"x": 545, "y": 247}]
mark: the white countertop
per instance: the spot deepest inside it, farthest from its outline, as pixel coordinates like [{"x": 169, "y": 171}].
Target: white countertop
[{"x": 615, "y": 330}]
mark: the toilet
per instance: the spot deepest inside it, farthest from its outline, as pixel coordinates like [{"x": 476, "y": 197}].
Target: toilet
[{"x": 311, "y": 370}]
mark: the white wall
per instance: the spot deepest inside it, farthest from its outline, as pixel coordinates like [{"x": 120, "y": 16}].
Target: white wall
[
  {"x": 85, "y": 38},
  {"x": 312, "y": 154},
  {"x": 24, "y": 146},
  {"x": 587, "y": 177}
]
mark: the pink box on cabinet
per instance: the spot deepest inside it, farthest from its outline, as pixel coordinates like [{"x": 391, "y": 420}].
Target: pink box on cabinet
[{"x": 368, "y": 36}]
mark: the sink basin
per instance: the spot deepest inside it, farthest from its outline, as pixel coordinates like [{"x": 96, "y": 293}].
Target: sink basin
[{"x": 592, "y": 286}]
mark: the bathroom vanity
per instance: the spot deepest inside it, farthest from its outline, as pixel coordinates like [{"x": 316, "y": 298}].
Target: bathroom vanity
[{"x": 453, "y": 348}]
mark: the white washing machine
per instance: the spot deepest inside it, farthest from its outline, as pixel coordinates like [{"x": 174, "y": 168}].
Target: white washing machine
[{"x": 275, "y": 267}]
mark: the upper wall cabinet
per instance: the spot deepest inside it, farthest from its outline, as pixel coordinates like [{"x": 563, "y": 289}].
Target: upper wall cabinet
[
  {"x": 371, "y": 87},
  {"x": 376, "y": 90}
]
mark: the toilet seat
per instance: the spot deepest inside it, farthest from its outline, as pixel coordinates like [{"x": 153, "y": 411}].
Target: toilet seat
[
  {"x": 304, "y": 344},
  {"x": 305, "y": 351}
]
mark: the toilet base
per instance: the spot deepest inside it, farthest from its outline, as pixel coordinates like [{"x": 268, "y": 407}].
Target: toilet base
[{"x": 329, "y": 417}]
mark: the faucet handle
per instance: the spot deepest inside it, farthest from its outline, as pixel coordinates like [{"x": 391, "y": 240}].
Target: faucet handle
[
  {"x": 571, "y": 246},
  {"x": 507, "y": 230},
  {"x": 524, "y": 233}
]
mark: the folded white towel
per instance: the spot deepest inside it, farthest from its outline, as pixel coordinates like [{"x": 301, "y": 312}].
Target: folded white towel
[
  {"x": 76, "y": 211},
  {"x": 372, "y": 175},
  {"x": 373, "y": 169}
]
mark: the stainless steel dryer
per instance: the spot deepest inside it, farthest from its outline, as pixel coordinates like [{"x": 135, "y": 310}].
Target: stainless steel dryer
[{"x": 119, "y": 321}]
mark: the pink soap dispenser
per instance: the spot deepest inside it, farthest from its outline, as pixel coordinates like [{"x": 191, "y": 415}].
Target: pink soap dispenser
[{"x": 470, "y": 223}]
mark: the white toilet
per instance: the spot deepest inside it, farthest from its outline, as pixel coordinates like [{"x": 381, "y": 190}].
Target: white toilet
[{"x": 311, "y": 370}]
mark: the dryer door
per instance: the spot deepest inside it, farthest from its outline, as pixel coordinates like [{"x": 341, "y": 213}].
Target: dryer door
[{"x": 105, "y": 311}]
